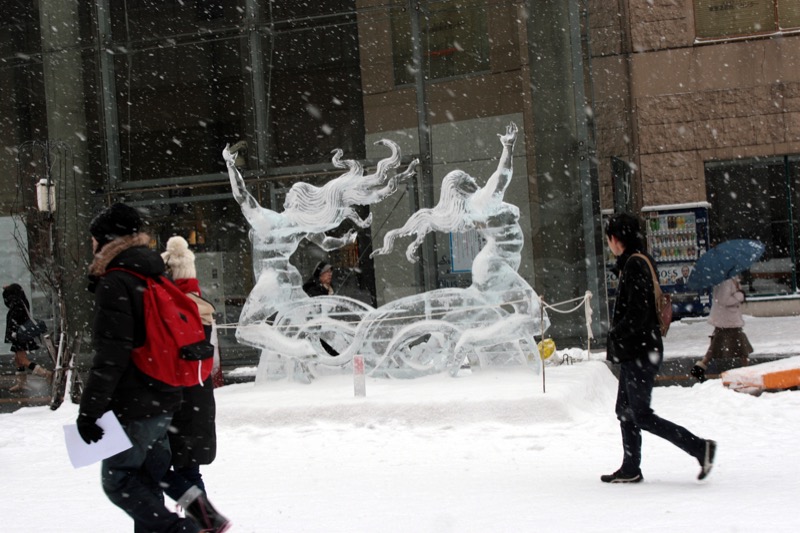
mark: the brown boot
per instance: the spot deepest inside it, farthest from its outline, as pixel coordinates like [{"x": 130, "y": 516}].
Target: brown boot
[
  {"x": 42, "y": 372},
  {"x": 21, "y": 384}
]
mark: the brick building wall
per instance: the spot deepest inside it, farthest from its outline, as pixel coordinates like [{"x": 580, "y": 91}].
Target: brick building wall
[{"x": 668, "y": 104}]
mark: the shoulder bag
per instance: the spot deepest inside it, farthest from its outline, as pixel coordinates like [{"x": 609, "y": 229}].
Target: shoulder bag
[{"x": 663, "y": 300}]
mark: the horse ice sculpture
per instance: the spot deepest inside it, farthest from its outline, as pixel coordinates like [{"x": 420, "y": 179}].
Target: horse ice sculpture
[{"x": 487, "y": 323}]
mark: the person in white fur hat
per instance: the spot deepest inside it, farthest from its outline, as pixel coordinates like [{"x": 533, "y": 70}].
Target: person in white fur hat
[{"x": 194, "y": 440}]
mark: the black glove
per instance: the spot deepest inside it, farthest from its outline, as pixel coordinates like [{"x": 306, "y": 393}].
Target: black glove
[{"x": 89, "y": 430}]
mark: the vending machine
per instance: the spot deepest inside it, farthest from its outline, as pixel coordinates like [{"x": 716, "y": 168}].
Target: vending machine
[{"x": 677, "y": 235}]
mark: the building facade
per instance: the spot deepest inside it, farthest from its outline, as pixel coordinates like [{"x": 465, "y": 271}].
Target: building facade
[
  {"x": 702, "y": 99},
  {"x": 134, "y": 101}
]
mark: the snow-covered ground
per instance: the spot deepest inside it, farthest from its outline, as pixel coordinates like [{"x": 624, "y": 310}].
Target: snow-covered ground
[{"x": 485, "y": 452}]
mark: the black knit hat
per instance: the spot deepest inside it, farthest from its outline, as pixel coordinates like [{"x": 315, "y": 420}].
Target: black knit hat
[{"x": 115, "y": 221}]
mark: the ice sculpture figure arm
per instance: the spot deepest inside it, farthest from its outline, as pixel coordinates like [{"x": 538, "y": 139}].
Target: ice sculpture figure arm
[
  {"x": 497, "y": 184},
  {"x": 328, "y": 243},
  {"x": 240, "y": 192}
]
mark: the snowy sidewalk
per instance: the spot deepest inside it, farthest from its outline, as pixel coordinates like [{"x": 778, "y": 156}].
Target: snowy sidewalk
[
  {"x": 770, "y": 336},
  {"x": 688, "y": 339},
  {"x": 484, "y": 453}
]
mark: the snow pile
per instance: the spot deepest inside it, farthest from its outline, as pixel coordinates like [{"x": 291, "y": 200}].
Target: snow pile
[{"x": 512, "y": 396}]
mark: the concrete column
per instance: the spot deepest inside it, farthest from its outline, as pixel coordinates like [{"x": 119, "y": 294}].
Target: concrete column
[{"x": 65, "y": 101}]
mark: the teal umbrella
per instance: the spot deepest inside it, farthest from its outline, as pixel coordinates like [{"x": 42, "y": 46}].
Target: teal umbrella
[{"x": 724, "y": 261}]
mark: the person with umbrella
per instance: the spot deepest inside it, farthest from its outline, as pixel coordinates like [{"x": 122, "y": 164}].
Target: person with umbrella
[
  {"x": 719, "y": 268},
  {"x": 728, "y": 339},
  {"x": 724, "y": 261},
  {"x": 634, "y": 343}
]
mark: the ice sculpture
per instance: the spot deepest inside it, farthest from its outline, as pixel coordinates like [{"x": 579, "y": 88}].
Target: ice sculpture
[
  {"x": 308, "y": 213},
  {"x": 491, "y": 322}
]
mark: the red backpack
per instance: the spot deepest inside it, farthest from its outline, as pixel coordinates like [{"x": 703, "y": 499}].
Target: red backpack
[{"x": 175, "y": 350}]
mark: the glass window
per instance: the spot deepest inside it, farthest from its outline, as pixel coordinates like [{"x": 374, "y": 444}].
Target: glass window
[
  {"x": 752, "y": 200},
  {"x": 314, "y": 88},
  {"x": 22, "y": 109},
  {"x": 793, "y": 189},
  {"x": 23, "y": 119},
  {"x": 178, "y": 106},
  {"x": 19, "y": 29},
  {"x": 306, "y": 13},
  {"x": 296, "y": 81},
  {"x": 135, "y": 20},
  {"x": 211, "y": 221},
  {"x": 730, "y": 18},
  {"x": 455, "y": 40},
  {"x": 788, "y": 14},
  {"x": 24, "y": 99}
]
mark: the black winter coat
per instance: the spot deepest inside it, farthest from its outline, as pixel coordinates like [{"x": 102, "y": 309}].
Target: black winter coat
[
  {"x": 312, "y": 286},
  {"x": 194, "y": 439},
  {"x": 114, "y": 381},
  {"x": 18, "y": 307},
  {"x": 634, "y": 333}
]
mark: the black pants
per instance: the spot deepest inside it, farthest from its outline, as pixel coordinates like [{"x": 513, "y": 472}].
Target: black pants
[
  {"x": 131, "y": 478},
  {"x": 636, "y": 379}
]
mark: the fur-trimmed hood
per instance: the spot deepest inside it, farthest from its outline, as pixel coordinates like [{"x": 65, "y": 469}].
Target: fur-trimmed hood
[
  {"x": 129, "y": 252},
  {"x": 111, "y": 250}
]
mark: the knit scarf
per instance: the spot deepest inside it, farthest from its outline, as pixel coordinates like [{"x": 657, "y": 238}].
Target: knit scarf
[{"x": 188, "y": 285}]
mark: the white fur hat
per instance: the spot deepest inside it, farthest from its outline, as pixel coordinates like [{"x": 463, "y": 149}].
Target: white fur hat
[{"x": 179, "y": 259}]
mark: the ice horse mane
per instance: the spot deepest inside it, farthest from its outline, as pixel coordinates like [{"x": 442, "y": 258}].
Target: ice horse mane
[
  {"x": 328, "y": 206},
  {"x": 449, "y": 215}
]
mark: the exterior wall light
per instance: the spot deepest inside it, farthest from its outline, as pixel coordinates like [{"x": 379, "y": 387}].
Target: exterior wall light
[{"x": 46, "y": 195}]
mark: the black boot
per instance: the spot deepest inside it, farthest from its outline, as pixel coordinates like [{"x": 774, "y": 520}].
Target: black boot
[
  {"x": 209, "y": 519},
  {"x": 707, "y": 461},
  {"x": 621, "y": 477}
]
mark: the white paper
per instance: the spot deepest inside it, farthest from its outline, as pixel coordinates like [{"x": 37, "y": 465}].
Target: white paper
[{"x": 114, "y": 440}]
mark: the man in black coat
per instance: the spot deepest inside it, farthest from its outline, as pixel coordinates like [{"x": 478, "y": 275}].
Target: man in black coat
[
  {"x": 143, "y": 406},
  {"x": 634, "y": 342},
  {"x": 320, "y": 284}
]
